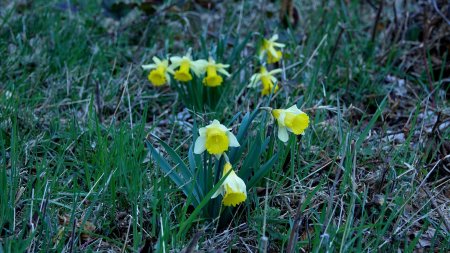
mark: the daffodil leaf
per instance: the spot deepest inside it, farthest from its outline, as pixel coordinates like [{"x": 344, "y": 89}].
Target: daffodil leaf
[
  {"x": 235, "y": 154},
  {"x": 251, "y": 160},
  {"x": 238, "y": 47},
  {"x": 185, "y": 225},
  {"x": 185, "y": 172},
  {"x": 235, "y": 117},
  {"x": 191, "y": 158},
  {"x": 259, "y": 174},
  {"x": 193, "y": 166},
  {"x": 181, "y": 182}
]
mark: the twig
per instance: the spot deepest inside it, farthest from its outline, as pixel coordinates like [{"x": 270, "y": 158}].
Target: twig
[
  {"x": 98, "y": 101},
  {"x": 129, "y": 102},
  {"x": 128, "y": 233},
  {"x": 191, "y": 247},
  {"x": 295, "y": 228},
  {"x": 439, "y": 12},
  {"x": 333, "y": 188},
  {"x": 422, "y": 183},
  {"x": 309, "y": 59},
  {"x": 377, "y": 19},
  {"x": 91, "y": 190},
  {"x": 264, "y": 239},
  {"x": 438, "y": 209},
  {"x": 333, "y": 51},
  {"x": 238, "y": 29},
  {"x": 423, "y": 46},
  {"x": 72, "y": 236}
]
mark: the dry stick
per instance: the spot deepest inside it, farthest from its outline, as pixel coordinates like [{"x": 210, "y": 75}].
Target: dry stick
[
  {"x": 333, "y": 52},
  {"x": 440, "y": 12},
  {"x": 31, "y": 221},
  {"x": 394, "y": 9},
  {"x": 238, "y": 29},
  {"x": 128, "y": 233},
  {"x": 119, "y": 101},
  {"x": 72, "y": 236},
  {"x": 437, "y": 207},
  {"x": 418, "y": 188},
  {"x": 377, "y": 19},
  {"x": 264, "y": 239},
  {"x": 333, "y": 188},
  {"x": 309, "y": 59},
  {"x": 426, "y": 29},
  {"x": 245, "y": 244},
  {"x": 98, "y": 101},
  {"x": 295, "y": 228},
  {"x": 191, "y": 247},
  {"x": 129, "y": 103}
]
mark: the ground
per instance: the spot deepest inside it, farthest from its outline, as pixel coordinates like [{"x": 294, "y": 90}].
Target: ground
[{"x": 95, "y": 158}]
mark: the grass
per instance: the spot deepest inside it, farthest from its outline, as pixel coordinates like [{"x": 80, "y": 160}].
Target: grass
[{"x": 78, "y": 117}]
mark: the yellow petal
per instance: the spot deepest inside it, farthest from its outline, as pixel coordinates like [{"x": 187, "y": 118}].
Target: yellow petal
[
  {"x": 216, "y": 140},
  {"x": 274, "y": 58},
  {"x": 297, "y": 123},
  {"x": 158, "y": 76},
  {"x": 212, "y": 79},
  {"x": 183, "y": 74},
  {"x": 276, "y": 113},
  {"x": 233, "y": 198}
]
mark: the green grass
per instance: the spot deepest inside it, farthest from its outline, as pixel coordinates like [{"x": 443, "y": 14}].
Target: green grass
[{"x": 80, "y": 167}]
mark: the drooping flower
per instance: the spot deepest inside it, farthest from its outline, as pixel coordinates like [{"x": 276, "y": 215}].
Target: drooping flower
[
  {"x": 267, "y": 79},
  {"x": 215, "y": 138},
  {"x": 185, "y": 64},
  {"x": 292, "y": 120},
  {"x": 268, "y": 47},
  {"x": 212, "y": 79},
  {"x": 160, "y": 71},
  {"x": 233, "y": 189}
]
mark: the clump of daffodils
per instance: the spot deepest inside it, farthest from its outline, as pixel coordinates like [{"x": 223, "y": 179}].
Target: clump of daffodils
[
  {"x": 233, "y": 189},
  {"x": 215, "y": 138},
  {"x": 267, "y": 79},
  {"x": 269, "y": 47},
  {"x": 292, "y": 120},
  {"x": 160, "y": 71},
  {"x": 212, "y": 79},
  {"x": 186, "y": 64}
]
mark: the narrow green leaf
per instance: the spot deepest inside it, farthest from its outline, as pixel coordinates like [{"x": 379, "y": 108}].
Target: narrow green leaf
[
  {"x": 251, "y": 160},
  {"x": 262, "y": 171},
  {"x": 172, "y": 173},
  {"x": 185, "y": 225},
  {"x": 185, "y": 172},
  {"x": 369, "y": 126}
]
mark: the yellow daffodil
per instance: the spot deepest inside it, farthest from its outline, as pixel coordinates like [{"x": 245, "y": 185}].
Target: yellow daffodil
[
  {"x": 160, "y": 71},
  {"x": 212, "y": 79},
  {"x": 268, "y": 47},
  {"x": 233, "y": 189},
  {"x": 215, "y": 138},
  {"x": 186, "y": 63},
  {"x": 292, "y": 120},
  {"x": 266, "y": 78}
]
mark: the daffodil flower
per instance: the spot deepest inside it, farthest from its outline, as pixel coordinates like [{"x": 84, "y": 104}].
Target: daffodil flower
[
  {"x": 160, "y": 71},
  {"x": 215, "y": 138},
  {"x": 185, "y": 64},
  {"x": 268, "y": 47},
  {"x": 292, "y": 120},
  {"x": 212, "y": 79},
  {"x": 267, "y": 79},
  {"x": 233, "y": 189}
]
